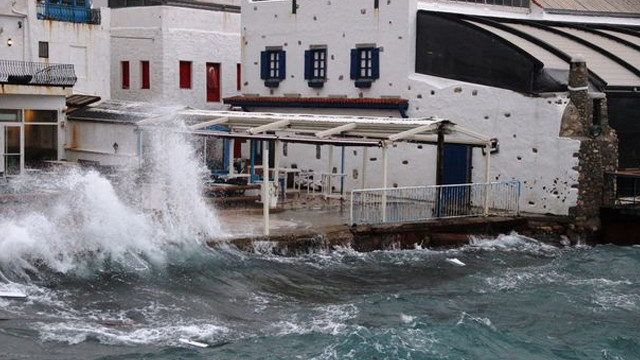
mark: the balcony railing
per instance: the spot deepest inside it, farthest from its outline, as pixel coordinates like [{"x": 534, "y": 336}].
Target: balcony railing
[
  {"x": 511, "y": 3},
  {"x": 32, "y": 73},
  {"x": 76, "y": 14}
]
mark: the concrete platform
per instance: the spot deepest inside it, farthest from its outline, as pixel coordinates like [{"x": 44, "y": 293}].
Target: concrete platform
[{"x": 324, "y": 227}]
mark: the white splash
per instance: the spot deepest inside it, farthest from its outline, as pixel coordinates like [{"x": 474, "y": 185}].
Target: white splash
[{"x": 87, "y": 222}]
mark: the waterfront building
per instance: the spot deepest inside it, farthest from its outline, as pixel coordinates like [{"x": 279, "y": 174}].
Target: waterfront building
[
  {"x": 52, "y": 55},
  {"x": 517, "y": 70},
  {"x": 175, "y": 52}
]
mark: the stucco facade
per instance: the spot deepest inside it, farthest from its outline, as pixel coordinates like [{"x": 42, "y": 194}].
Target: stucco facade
[
  {"x": 527, "y": 127},
  {"x": 164, "y": 36},
  {"x": 86, "y": 46}
]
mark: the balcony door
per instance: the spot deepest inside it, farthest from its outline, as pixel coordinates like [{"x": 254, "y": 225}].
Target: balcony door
[{"x": 213, "y": 82}]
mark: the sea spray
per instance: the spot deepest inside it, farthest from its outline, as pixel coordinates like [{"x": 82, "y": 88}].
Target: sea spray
[{"x": 88, "y": 223}]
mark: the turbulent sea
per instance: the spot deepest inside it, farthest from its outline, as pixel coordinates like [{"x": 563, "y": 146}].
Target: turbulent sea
[
  {"x": 516, "y": 299},
  {"x": 106, "y": 278}
]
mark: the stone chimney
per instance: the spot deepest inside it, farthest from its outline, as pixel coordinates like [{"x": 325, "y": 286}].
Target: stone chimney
[{"x": 576, "y": 120}]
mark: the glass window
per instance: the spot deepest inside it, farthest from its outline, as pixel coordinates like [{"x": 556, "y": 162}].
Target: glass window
[
  {"x": 40, "y": 116},
  {"x": 10, "y": 115}
]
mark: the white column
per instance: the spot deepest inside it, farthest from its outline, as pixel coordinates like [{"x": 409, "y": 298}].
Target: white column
[
  {"x": 22, "y": 149},
  {"x": 365, "y": 159},
  {"x": 204, "y": 150},
  {"x": 384, "y": 182},
  {"x": 327, "y": 185},
  {"x": 487, "y": 166},
  {"x": 232, "y": 145},
  {"x": 276, "y": 163},
  {"x": 265, "y": 186}
]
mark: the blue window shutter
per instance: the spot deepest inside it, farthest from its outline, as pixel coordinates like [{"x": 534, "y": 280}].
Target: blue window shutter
[
  {"x": 308, "y": 64},
  {"x": 282, "y": 58},
  {"x": 264, "y": 65},
  {"x": 355, "y": 64},
  {"x": 375, "y": 63}
]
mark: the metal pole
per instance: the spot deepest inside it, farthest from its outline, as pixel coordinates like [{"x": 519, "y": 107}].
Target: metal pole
[
  {"x": 487, "y": 165},
  {"x": 276, "y": 165},
  {"x": 21, "y": 149},
  {"x": 252, "y": 172},
  {"x": 232, "y": 145},
  {"x": 439, "y": 170},
  {"x": 204, "y": 150},
  {"x": 342, "y": 174},
  {"x": 327, "y": 190},
  {"x": 365, "y": 156},
  {"x": 265, "y": 186},
  {"x": 384, "y": 182}
]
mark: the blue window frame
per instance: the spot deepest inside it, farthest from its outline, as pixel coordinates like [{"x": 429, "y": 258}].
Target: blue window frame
[
  {"x": 273, "y": 67},
  {"x": 365, "y": 66},
  {"x": 315, "y": 67}
]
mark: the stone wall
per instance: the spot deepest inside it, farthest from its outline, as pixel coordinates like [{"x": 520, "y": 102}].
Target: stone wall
[{"x": 586, "y": 119}]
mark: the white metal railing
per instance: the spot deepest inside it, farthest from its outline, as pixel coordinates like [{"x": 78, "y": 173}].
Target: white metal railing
[{"x": 408, "y": 204}]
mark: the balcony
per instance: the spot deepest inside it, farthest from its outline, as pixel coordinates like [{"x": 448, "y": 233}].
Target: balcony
[
  {"x": 67, "y": 13},
  {"x": 32, "y": 73}
]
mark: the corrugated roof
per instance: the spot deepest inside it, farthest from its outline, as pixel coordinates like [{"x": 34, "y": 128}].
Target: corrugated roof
[{"x": 603, "y": 6}]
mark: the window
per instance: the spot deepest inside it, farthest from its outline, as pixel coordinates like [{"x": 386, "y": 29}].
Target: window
[
  {"x": 365, "y": 65},
  {"x": 238, "y": 77},
  {"x": 145, "y": 81},
  {"x": 273, "y": 67},
  {"x": 125, "y": 74},
  {"x": 43, "y": 49},
  {"x": 185, "y": 74},
  {"x": 315, "y": 67},
  {"x": 213, "y": 82}
]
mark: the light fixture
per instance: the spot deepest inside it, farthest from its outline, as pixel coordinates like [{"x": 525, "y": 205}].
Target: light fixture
[{"x": 9, "y": 41}]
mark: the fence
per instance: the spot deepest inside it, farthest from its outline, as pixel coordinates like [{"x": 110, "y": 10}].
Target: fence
[
  {"x": 76, "y": 14},
  {"x": 622, "y": 189},
  {"x": 33, "y": 73},
  {"x": 393, "y": 205}
]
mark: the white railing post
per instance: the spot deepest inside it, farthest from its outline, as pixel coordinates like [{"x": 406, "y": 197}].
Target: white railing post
[{"x": 351, "y": 219}]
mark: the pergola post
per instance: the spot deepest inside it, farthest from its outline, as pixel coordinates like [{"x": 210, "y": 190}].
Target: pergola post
[
  {"x": 252, "y": 151},
  {"x": 439, "y": 170},
  {"x": 487, "y": 165},
  {"x": 365, "y": 156},
  {"x": 265, "y": 186},
  {"x": 232, "y": 145},
  {"x": 385, "y": 164},
  {"x": 329, "y": 171},
  {"x": 276, "y": 164}
]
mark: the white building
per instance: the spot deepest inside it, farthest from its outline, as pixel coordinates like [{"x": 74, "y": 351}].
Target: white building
[
  {"x": 48, "y": 52},
  {"x": 187, "y": 54},
  {"x": 471, "y": 63}
]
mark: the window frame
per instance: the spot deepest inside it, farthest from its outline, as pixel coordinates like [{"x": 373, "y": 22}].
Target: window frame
[
  {"x": 145, "y": 75},
  {"x": 273, "y": 66},
  {"x": 185, "y": 79},
  {"x": 315, "y": 66},
  {"x": 365, "y": 65},
  {"x": 125, "y": 75}
]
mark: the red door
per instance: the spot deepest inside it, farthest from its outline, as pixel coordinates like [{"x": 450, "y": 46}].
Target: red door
[{"x": 213, "y": 82}]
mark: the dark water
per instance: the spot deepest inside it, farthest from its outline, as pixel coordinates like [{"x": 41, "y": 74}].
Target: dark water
[{"x": 515, "y": 299}]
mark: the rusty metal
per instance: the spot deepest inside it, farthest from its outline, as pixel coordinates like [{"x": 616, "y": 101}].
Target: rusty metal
[{"x": 34, "y": 73}]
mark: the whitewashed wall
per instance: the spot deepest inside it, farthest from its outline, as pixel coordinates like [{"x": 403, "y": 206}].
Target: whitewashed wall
[
  {"x": 165, "y": 36},
  {"x": 85, "y": 46},
  {"x": 93, "y": 141},
  {"x": 527, "y": 127},
  {"x": 338, "y": 24}
]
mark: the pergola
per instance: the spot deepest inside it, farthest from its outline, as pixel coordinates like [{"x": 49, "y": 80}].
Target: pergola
[{"x": 332, "y": 130}]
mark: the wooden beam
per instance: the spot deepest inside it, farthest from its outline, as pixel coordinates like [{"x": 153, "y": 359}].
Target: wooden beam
[
  {"x": 268, "y": 127},
  {"x": 336, "y": 130},
  {"x": 411, "y": 132},
  {"x": 202, "y": 125}
]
